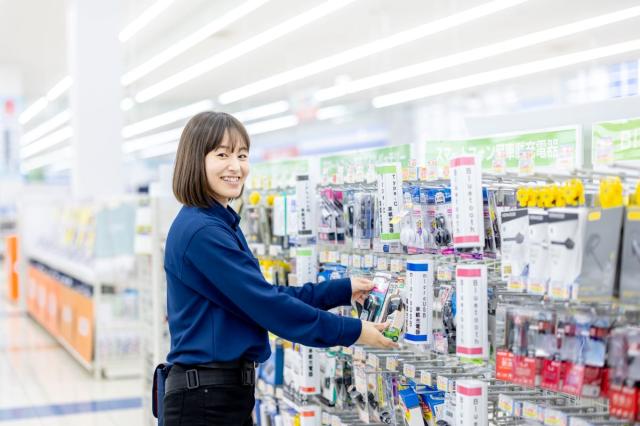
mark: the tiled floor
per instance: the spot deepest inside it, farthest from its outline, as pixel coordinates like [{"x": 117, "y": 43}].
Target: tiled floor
[{"x": 42, "y": 385}]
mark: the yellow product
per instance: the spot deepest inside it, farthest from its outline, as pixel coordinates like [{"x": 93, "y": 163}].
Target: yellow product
[
  {"x": 270, "y": 199},
  {"x": 254, "y": 198},
  {"x": 523, "y": 196},
  {"x": 611, "y": 192}
]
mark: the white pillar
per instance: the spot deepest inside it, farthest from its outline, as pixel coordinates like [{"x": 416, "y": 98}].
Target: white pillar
[{"x": 95, "y": 64}]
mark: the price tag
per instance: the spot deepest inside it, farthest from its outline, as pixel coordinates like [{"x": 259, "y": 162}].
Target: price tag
[
  {"x": 432, "y": 170},
  {"x": 426, "y": 378},
  {"x": 505, "y": 404},
  {"x": 396, "y": 265},
  {"x": 409, "y": 370},
  {"x": 422, "y": 173},
  {"x": 555, "y": 418},
  {"x": 368, "y": 261},
  {"x": 382, "y": 263},
  {"x": 526, "y": 163},
  {"x": 442, "y": 383},
  {"x": 373, "y": 361},
  {"x": 444, "y": 273},
  {"x": 392, "y": 363},
  {"x": 347, "y": 350},
  {"x": 356, "y": 260}
]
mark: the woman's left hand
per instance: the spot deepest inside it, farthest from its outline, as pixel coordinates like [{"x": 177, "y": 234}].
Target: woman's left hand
[{"x": 360, "y": 289}]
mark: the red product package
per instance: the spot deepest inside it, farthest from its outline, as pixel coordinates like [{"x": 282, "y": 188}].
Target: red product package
[
  {"x": 623, "y": 402},
  {"x": 573, "y": 379},
  {"x": 552, "y": 374},
  {"x": 504, "y": 365},
  {"x": 525, "y": 370}
]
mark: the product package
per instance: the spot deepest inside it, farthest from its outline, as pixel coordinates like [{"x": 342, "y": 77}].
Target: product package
[
  {"x": 466, "y": 198},
  {"x": 363, "y": 220},
  {"x": 419, "y": 302},
  {"x": 603, "y": 231},
  {"x": 630, "y": 265},
  {"x": 472, "y": 312},
  {"x": 439, "y": 218},
  {"x": 566, "y": 240},
  {"x": 515, "y": 248},
  {"x": 538, "y": 278}
]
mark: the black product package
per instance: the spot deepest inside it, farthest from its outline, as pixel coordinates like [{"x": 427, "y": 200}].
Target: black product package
[
  {"x": 630, "y": 265},
  {"x": 597, "y": 278}
]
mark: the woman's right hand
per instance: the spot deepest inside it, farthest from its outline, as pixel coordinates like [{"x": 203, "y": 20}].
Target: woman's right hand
[{"x": 371, "y": 335}]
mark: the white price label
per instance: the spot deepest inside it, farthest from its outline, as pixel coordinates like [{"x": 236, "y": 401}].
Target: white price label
[
  {"x": 419, "y": 315},
  {"x": 382, "y": 263},
  {"x": 409, "y": 370},
  {"x": 389, "y": 182},
  {"x": 368, "y": 261},
  {"x": 344, "y": 259}
]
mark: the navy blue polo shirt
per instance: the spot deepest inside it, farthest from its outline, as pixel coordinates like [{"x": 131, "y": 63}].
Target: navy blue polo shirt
[{"x": 220, "y": 306}]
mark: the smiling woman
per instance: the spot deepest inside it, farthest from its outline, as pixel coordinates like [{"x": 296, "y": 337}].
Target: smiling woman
[{"x": 219, "y": 305}]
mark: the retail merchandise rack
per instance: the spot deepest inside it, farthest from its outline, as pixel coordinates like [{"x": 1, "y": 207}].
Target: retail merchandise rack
[{"x": 508, "y": 273}]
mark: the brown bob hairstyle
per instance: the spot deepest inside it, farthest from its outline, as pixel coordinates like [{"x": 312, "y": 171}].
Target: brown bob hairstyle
[{"x": 202, "y": 134}]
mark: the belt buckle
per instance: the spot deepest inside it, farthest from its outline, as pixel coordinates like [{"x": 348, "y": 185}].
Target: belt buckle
[
  {"x": 193, "y": 381},
  {"x": 248, "y": 375}
]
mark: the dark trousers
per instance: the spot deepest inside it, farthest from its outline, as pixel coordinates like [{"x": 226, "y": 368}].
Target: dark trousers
[{"x": 210, "y": 405}]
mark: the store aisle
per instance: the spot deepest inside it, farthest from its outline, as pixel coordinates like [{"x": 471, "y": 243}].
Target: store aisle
[{"x": 40, "y": 384}]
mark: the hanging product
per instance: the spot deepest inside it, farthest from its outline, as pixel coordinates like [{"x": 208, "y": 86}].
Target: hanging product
[
  {"x": 566, "y": 231},
  {"x": 471, "y": 312},
  {"x": 389, "y": 183},
  {"x": 305, "y": 206},
  {"x": 419, "y": 302},
  {"x": 472, "y": 403},
  {"x": 515, "y": 248},
  {"x": 466, "y": 198},
  {"x": 306, "y": 264},
  {"x": 538, "y": 278}
]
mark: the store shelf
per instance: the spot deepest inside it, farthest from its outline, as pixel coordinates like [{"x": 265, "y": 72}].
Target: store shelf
[{"x": 81, "y": 271}]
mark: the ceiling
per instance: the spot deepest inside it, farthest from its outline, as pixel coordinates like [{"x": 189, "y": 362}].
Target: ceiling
[{"x": 35, "y": 43}]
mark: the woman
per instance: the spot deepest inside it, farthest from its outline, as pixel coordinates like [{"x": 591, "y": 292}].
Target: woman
[{"x": 219, "y": 305}]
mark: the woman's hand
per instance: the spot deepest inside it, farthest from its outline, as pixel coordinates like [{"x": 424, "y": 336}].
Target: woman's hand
[
  {"x": 360, "y": 289},
  {"x": 371, "y": 335}
]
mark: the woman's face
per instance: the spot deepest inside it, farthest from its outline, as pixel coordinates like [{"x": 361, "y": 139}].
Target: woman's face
[{"x": 227, "y": 168}]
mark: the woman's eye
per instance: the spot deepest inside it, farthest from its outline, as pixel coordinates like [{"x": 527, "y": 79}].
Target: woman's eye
[
  {"x": 243, "y": 156},
  {"x": 222, "y": 155}
]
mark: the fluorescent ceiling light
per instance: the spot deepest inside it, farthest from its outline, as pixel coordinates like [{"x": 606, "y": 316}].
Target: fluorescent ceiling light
[
  {"x": 262, "y": 111},
  {"x": 472, "y": 55},
  {"x": 367, "y": 49},
  {"x": 331, "y": 112},
  {"x": 38, "y": 106},
  {"x": 502, "y": 74},
  {"x": 191, "y": 40},
  {"x": 152, "y": 140},
  {"x": 33, "y": 110},
  {"x": 144, "y": 19},
  {"x": 272, "y": 124},
  {"x": 60, "y": 87},
  {"x": 166, "y": 118},
  {"x": 160, "y": 150},
  {"x": 58, "y": 156},
  {"x": 241, "y": 49},
  {"x": 47, "y": 142},
  {"x": 46, "y": 127},
  {"x": 126, "y": 104}
]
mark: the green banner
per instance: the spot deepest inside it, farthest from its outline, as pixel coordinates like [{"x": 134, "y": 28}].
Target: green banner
[
  {"x": 277, "y": 173},
  {"x": 615, "y": 141},
  {"x": 359, "y": 166},
  {"x": 524, "y": 153}
]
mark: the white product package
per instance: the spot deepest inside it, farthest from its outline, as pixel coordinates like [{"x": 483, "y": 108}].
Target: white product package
[
  {"x": 419, "y": 313},
  {"x": 306, "y": 265},
  {"x": 539, "y": 274},
  {"x": 472, "y": 323},
  {"x": 566, "y": 239},
  {"x": 305, "y": 206},
  {"x": 466, "y": 199},
  {"x": 514, "y": 234},
  {"x": 389, "y": 183},
  {"x": 472, "y": 406}
]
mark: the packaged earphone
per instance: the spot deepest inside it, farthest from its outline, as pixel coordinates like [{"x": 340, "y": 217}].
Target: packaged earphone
[
  {"x": 566, "y": 239},
  {"x": 538, "y": 279},
  {"x": 372, "y": 309},
  {"x": 363, "y": 219},
  {"x": 439, "y": 218},
  {"x": 515, "y": 248},
  {"x": 331, "y": 226},
  {"x": 630, "y": 266}
]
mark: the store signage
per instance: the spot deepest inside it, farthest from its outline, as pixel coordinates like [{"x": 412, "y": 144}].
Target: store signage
[
  {"x": 466, "y": 198},
  {"x": 521, "y": 153},
  {"x": 471, "y": 310},
  {"x": 615, "y": 142},
  {"x": 359, "y": 166}
]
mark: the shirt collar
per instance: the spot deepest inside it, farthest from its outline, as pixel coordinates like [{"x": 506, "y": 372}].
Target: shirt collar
[{"x": 230, "y": 217}]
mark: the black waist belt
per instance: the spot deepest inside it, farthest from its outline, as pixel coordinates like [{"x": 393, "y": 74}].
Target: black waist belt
[{"x": 183, "y": 377}]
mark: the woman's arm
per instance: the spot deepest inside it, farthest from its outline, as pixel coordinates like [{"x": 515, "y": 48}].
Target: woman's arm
[
  {"x": 214, "y": 252},
  {"x": 326, "y": 295}
]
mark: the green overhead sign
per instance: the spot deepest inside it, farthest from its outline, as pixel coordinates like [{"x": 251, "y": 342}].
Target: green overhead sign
[{"x": 615, "y": 142}]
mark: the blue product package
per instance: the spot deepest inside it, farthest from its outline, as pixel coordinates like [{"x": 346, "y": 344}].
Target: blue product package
[{"x": 272, "y": 370}]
